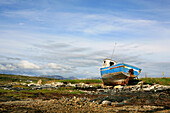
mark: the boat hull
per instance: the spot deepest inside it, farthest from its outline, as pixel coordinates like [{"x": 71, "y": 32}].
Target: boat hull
[
  {"x": 118, "y": 78},
  {"x": 119, "y": 74}
]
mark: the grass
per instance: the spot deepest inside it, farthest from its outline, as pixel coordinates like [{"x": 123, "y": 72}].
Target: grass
[
  {"x": 5, "y": 91},
  {"x": 161, "y": 81},
  {"x": 37, "y": 93},
  {"x": 20, "y": 86},
  {"x": 7, "y": 78},
  {"x": 59, "y": 91},
  {"x": 86, "y": 81},
  {"x": 20, "y": 95}
]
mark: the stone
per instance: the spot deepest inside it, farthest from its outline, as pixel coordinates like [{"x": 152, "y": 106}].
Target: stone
[
  {"x": 39, "y": 82},
  {"x": 106, "y": 102}
]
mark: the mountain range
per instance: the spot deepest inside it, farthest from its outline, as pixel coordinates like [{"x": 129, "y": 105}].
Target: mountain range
[{"x": 58, "y": 77}]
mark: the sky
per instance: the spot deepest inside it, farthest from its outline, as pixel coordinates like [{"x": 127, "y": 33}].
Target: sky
[{"x": 72, "y": 37}]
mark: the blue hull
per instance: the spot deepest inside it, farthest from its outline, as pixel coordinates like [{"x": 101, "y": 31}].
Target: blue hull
[{"x": 119, "y": 74}]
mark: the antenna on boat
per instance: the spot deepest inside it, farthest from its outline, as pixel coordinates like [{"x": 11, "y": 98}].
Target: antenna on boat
[{"x": 113, "y": 50}]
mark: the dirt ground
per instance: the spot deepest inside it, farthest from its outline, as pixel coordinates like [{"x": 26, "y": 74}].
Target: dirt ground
[
  {"x": 121, "y": 103},
  {"x": 64, "y": 105}
]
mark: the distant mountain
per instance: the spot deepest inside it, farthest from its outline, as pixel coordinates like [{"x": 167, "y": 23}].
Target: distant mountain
[
  {"x": 53, "y": 76},
  {"x": 95, "y": 78},
  {"x": 71, "y": 78},
  {"x": 58, "y": 77}
]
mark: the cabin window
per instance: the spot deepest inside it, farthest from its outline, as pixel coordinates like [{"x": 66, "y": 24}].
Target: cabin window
[{"x": 111, "y": 63}]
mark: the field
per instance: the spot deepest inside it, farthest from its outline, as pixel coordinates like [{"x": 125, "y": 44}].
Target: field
[{"x": 161, "y": 81}]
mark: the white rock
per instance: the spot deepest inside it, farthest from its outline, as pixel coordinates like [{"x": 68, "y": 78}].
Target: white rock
[{"x": 106, "y": 102}]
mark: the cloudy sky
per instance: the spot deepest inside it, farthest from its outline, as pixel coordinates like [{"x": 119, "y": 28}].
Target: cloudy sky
[{"x": 72, "y": 37}]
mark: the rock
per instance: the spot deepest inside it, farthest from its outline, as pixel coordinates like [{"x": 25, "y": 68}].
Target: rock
[
  {"x": 106, "y": 102},
  {"x": 71, "y": 85},
  {"x": 67, "y": 99},
  {"x": 118, "y": 87},
  {"x": 39, "y": 82},
  {"x": 74, "y": 97}
]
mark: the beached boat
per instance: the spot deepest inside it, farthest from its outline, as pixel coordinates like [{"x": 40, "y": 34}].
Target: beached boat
[{"x": 114, "y": 73}]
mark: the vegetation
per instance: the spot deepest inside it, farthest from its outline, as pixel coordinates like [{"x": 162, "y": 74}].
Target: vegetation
[
  {"x": 36, "y": 93},
  {"x": 162, "y": 81},
  {"x": 86, "y": 81},
  {"x": 5, "y": 91},
  {"x": 58, "y": 91},
  {"x": 6, "y": 78},
  {"x": 29, "y": 93}
]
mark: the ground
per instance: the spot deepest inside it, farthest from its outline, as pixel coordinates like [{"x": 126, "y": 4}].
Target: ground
[{"x": 69, "y": 103}]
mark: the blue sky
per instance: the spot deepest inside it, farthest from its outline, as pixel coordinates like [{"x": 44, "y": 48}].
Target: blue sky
[{"x": 72, "y": 37}]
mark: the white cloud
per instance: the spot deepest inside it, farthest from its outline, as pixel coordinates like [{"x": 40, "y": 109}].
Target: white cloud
[
  {"x": 59, "y": 67},
  {"x": 2, "y": 67},
  {"x": 55, "y": 66},
  {"x": 27, "y": 65},
  {"x": 6, "y": 67}
]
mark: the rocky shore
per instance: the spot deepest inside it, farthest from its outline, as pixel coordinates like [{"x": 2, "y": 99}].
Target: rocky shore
[
  {"x": 120, "y": 102},
  {"x": 59, "y": 97}
]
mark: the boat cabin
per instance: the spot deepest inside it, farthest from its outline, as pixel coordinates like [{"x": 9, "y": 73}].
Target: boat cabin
[{"x": 108, "y": 62}]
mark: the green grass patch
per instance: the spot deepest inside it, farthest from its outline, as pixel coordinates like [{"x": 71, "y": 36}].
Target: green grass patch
[
  {"x": 60, "y": 91},
  {"x": 20, "y": 95},
  {"x": 37, "y": 93},
  {"x": 86, "y": 81},
  {"x": 69, "y": 92},
  {"x": 5, "y": 91},
  {"x": 7, "y": 78},
  {"x": 97, "y": 85},
  {"x": 65, "y": 88},
  {"x": 162, "y": 81},
  {"x": 20, "y": 86},
  {"x": 75, "y": 92}
]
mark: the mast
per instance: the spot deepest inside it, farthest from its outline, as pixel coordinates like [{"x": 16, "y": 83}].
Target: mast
[{"x": 113, "y": 50}]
